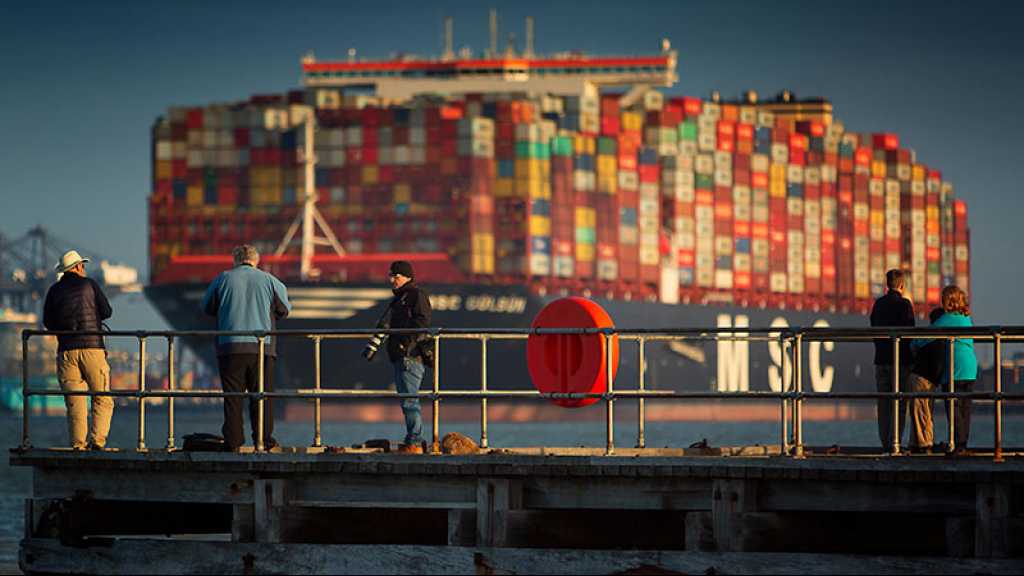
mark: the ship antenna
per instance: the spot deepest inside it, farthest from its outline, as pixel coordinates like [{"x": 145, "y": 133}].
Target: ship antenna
[
  {"x": 449, "y": 54},
  {"x": 528, "y": 50},
  {"x": 494, "y": 34}
]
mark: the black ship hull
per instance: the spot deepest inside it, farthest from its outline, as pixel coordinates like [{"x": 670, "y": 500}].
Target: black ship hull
[{"x": 680, "y": 366}]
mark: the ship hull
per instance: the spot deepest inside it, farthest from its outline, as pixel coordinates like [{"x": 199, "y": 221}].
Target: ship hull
[{"x": 685, "y": 366}]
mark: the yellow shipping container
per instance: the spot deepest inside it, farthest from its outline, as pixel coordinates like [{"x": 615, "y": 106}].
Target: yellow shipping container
[
  {"x": 585, "y": 252},
  {"x": 164, "y": 169},
  {"x": 584, "y": 144},
  {"x": 403, "y": 193},
  {"x": 586, "y": 217},
  {"x": 607, "y": 165},
  {"x": 918, "y": 173},
  {"x": 878, "y": 168},
  {"x": 545, "y": 190},
  {"x": 504, "y": 187},
  {"x": 632, "y": 121},
  {"x": 370, "y": 174},
  {"x": 540, "y": 226},
  {"x": 777, "y": 173},
  {"x": 528, "y": 188},
  {"x": 194, "y": 196},
  {"x": 777, "y": 188}
]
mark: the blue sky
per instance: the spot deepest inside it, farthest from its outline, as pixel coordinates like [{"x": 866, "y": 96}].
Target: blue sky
[{"x": 83, "y": 82}]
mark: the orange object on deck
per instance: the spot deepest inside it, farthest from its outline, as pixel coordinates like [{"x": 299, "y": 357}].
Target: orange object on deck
[{"x": 572, "y": 363}]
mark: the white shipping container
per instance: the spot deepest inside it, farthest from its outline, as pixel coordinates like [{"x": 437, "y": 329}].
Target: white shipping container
[
  {"x": 759, "y": 163},
  {"x": 706, "y": 142},
  {"x": 704, "y": 164},
  {"x": 780, "y": 153},
  {"x": 794, "y": 174},
  {"x": 163, "y": 150},
  {"x": 765, "y": 119}
]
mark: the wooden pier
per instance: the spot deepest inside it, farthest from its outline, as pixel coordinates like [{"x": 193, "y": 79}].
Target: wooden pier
[{"x": 511, "y": 511}]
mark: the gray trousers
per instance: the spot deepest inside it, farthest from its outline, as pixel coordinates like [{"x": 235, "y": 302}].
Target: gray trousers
[{"x": 884, "y": 383}]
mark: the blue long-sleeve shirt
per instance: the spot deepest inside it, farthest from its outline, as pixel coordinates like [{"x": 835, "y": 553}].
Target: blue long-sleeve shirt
[
  {"x": 245, "y": 298},
  {"x": 965, "y": 363}
]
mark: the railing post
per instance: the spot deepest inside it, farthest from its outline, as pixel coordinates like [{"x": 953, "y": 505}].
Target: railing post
[
  {"x": 316, "y": 384},
  {"x": 641, "y": 414},
  {"x": 951, "y": 404},
  {"x": 897, "y": 406},
  {"x": 483, "y": 388},
  {"x": 435, "y": 446},
  {"x": 609, "y": 385},
  {"x": 798, "y": 418},
  {"x": 998, "y": 428},
  {"x": 142, "y": 393},
  {"x": 170, "y": 388},
  {"x": 783, "y": 388},
  {"x": 259, "y": 399},
  {"x": 25, "y": 408}
]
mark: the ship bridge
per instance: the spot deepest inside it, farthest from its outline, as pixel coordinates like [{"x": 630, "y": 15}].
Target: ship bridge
[
  {"x": 401, "y": 80},
  {"x": 567, "y": 73}
]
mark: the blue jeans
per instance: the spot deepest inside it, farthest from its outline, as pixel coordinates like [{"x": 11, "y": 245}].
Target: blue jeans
[{"x": 408, "y": 376}]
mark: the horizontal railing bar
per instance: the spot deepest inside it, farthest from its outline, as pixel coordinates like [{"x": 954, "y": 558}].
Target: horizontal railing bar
[{"x": 663, "y": 394}]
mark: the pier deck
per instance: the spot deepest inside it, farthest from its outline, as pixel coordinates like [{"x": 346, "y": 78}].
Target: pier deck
[{"x": 307, "y": 510}]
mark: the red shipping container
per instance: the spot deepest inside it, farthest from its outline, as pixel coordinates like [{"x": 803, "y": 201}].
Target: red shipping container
[
  {"x": 885, "y": 141},
  {"x": 194, "y": 118},
  {"x": 797, "y": 157},
  {"x": 759, "y": 180},
  {"x": 798, "y": 142},
  {"x": 692, "y": 106},
  {"x": 649, "y": 173},
  {"x": 227, "y": 195},
  {"x": 863, "y": 157},
  {"x": 744, "y": 132}
]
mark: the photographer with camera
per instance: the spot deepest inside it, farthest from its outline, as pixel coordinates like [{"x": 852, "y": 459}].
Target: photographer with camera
[{"x": 410, "y": 308}]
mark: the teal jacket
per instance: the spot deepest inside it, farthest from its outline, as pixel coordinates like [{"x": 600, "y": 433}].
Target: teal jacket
[
  {"x": 245, "y": 298},
  {"x": 965, "y": 363}
]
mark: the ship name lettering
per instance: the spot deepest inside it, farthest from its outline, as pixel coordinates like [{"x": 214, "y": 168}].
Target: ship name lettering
[
  {"x": 501, "y": 304},
  {"x": 445, "y": 302}
]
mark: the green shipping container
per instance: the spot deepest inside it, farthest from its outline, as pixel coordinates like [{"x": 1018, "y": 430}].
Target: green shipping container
[
  {"x": 705, "y": 182},
  {"x": 606, "y": 145},
  {"x": 533, "y": 150},
  {"x": 688, "y": 131},
  {"x": 561, "y": 146},
  {"x": 586, "y": 236}
]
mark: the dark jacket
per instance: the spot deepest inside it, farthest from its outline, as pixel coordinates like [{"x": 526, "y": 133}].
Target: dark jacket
[
  {"x": 410, "y": 308},
  {"x": 930, "y": 361},
  {"x": 76, "y": 303},
  {"x": 892, "y": 310}
]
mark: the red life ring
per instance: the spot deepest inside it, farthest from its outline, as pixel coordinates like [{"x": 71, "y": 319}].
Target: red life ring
[{"x": 575, "y": 363}]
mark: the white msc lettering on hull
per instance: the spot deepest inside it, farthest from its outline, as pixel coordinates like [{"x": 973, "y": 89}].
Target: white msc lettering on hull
[
  {"x": 733, "y": 356},
  {"x": 734, "y": 359}
]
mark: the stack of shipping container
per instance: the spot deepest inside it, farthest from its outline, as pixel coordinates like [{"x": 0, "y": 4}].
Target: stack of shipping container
[{"x": 738, "y": 202}]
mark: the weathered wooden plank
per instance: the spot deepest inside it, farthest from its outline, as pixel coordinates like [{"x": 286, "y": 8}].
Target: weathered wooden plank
[
  {"x": 617, "y": 493},
  {"x": 268, "y": 499},
  {"x": 496, "y": 497},
  {"x": 992, "y": 536},
  {"x": 403, "y": 491},
  {"x": 862, "y": 497},
  {"x": 382, "y": 504},
  {"x": 180, "y": 557},
  {"x": 144, "y": 486},
  {"x": 729, "y": 499}
]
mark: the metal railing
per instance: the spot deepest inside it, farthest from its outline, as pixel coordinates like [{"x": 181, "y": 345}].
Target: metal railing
[{"x": 791, "y": 395}]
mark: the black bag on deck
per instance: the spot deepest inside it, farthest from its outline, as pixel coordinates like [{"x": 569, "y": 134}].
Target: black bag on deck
[{"x": 203, "y": 442}]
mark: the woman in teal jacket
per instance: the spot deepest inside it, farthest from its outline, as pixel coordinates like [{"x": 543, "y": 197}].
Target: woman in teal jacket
[{"x": 965, "y": 363}]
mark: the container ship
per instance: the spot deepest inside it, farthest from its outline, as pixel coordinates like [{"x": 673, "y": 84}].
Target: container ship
[{"x": 512, "y": 179}]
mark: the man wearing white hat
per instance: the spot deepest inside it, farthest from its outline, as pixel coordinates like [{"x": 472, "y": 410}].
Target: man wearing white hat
[{"x": 76, "y": 303}]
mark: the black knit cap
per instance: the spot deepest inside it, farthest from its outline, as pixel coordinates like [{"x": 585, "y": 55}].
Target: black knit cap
[{"x": 402, "y": 267}]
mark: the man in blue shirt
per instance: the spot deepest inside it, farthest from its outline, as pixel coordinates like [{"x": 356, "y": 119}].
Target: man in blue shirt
[{"x": 246, "y": 299}]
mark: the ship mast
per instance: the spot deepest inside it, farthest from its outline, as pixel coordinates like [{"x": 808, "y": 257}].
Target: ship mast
[{"x": 310, "y": 217}]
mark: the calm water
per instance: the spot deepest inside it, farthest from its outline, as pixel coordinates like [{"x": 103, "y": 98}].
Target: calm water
[{"x": 15, "y": 483}]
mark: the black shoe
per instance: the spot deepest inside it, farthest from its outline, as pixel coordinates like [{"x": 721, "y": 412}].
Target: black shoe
[
  {"x": 95, "y": 447},
  {"x": 920, "y": 449},
  {"x": 270, "y": 444}
]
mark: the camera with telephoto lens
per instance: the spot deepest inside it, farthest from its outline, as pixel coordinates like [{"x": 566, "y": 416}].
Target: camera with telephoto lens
[{"x": 376, "y": 341}]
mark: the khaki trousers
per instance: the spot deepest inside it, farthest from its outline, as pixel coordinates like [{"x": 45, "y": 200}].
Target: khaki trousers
[
  {"x": 78, "y": 371},
  {"x": 921, "y": 413}
]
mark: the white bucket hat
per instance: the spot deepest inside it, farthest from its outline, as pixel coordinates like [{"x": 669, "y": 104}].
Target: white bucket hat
[{"x": 69, "y": 260}]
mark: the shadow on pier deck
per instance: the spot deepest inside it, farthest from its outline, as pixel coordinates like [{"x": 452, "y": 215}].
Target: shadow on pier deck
[{"x": 522, "y": 510}]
